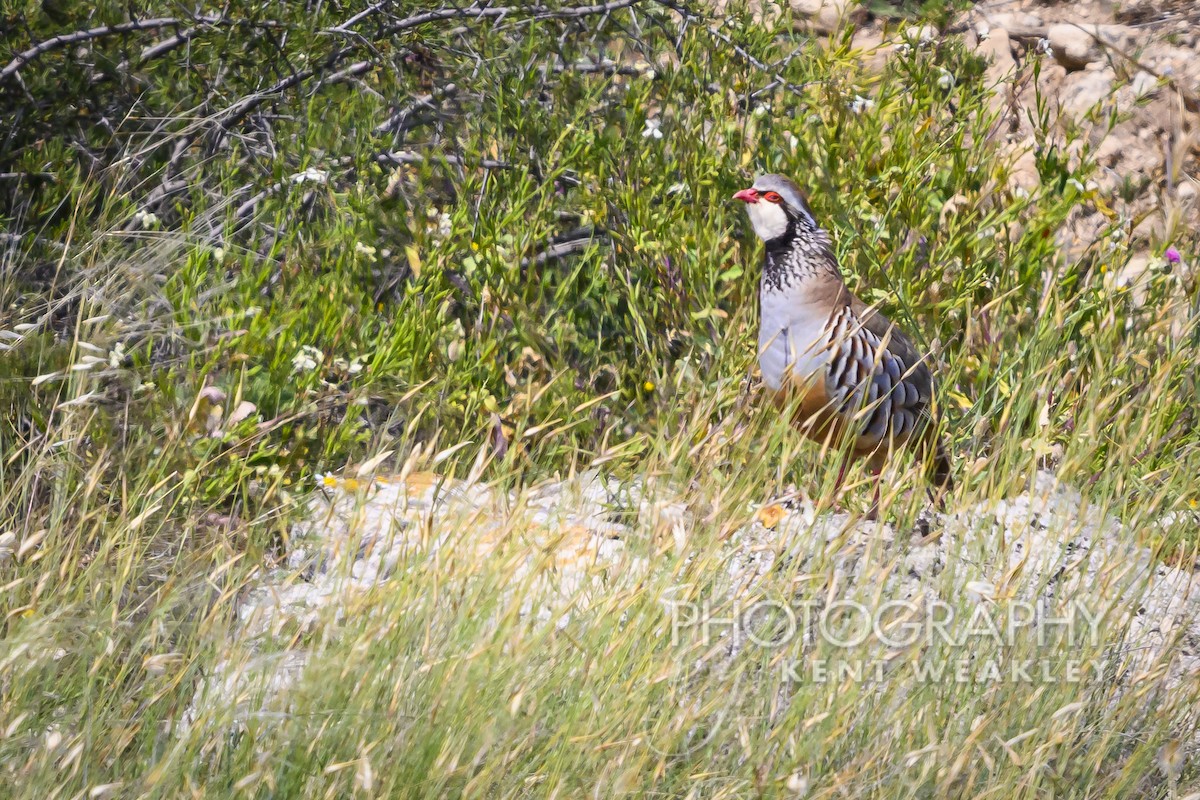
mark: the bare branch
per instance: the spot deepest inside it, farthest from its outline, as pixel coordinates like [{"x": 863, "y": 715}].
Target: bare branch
[
  {"x": 359, "y": 17},
  {"x": 352, "y": 71},
  {"x": 167, "y": 45},
  {"x": 603, "y": 66},
  {"x": 66, "y": 39},
  {"x": 481, "y": 11}
]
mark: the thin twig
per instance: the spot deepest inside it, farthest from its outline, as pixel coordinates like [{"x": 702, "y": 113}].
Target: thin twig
[
  {"x": 352, "y": 71},
  {"x": 395, "y": 122},
  {"x": 14, "y": 239},
  {"x": 398, "y": 157},
  {"x": 563, "y": 245},
  {"x": 28, "y": 176},
  {"x": 604, "y": 66}
]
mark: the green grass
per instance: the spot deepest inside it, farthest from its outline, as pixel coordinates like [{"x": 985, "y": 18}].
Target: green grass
[{"x": 137, "y": 513}]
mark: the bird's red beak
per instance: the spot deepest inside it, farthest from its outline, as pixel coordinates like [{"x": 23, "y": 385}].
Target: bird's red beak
[{"x": 747, "y": 196}]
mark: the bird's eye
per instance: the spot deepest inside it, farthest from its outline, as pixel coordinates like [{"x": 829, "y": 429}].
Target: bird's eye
[{"x": 772, "y": 197}]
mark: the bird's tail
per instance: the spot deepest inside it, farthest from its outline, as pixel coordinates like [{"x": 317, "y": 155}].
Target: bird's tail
[
  {"x": 940, "y": 472},
  {"x": 939, "y": 469}
]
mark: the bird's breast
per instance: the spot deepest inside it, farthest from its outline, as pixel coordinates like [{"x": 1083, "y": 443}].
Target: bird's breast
[{"x": 793, "y": 340}]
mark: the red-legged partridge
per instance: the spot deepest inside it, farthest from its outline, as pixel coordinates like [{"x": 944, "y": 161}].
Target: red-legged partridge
[{"x": 847, "y": 368}]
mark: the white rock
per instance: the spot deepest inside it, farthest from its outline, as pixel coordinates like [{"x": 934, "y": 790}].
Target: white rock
[
  {"x": 1020, "y": 25},
  {"x": 1084, "y": 90},
  {"x": 1075, "y": 46},
  {"x": 1024, "y": 173},
  {"x": 921, "y": 34},
  {"x": 824, "y": 16},
  {"x": 1144, "y": 84},
  {"x": 997, "y": 49}
]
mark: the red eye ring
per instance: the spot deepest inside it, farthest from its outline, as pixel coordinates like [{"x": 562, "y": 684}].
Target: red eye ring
[{"x": 772, "y": 197}]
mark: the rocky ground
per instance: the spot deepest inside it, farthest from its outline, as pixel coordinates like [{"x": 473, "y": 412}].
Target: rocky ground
[
  {"x": 1119, "y": 81},
  {"x": 565, "y": 547}
]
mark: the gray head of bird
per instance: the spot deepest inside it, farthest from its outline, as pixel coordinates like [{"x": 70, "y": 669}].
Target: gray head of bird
[{"x": 777, "y": 208}]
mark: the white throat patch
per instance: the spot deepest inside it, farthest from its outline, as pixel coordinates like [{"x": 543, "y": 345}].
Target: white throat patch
[{"x": 769, "y": 219}]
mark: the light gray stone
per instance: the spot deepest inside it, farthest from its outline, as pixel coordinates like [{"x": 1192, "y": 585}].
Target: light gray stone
[
  {"x": 1076, "y": 45},
  {"x": 1083, "y": 90},
  {"x": 997, "y": 49},
  {"x": 1144, "y": 84},
  {"x": 823, "y": 16}
]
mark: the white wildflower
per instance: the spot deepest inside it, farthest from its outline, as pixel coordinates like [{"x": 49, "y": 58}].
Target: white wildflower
[
  {"x": 116, "y": 356},
  {"x": 365, "y": 249},
  {"x": 456, "y": 344},
  {"x": 797, "y": 784},
  {"x": 307, "y": 359},
  {"x": 244, "y": 410},
  {"x": 762, "y": 110},
  {"x": 653, "y": 129},
  {"x": 311, "y": 175},
  {"x": 860, "y": 104},
  {"x": 946, "y": 80},
  {"x": 146, "y": 219},
  {"x": 444, "y": 225},
  {"x": 8, "y": 545},
  {"x": 351, "y": 367},
  {"x": 1043, "y": 46}
]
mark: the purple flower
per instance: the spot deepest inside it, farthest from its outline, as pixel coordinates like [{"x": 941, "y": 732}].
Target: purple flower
[{"x": 1172, "y": 256}]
